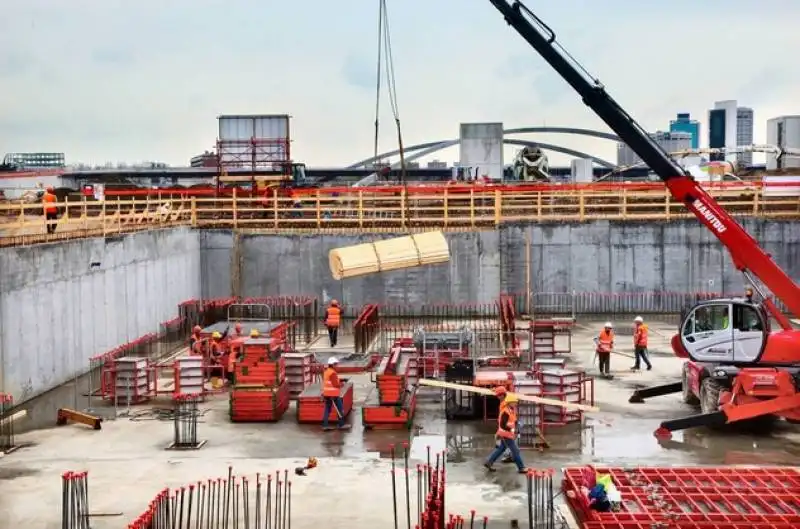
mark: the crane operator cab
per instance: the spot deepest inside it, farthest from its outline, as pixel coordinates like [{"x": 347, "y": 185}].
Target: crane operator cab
[{"x": 724, "y": 331}]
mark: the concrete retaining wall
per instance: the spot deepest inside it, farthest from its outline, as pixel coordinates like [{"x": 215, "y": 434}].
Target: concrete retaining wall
[
  {"x": 600, "y": 257},
  {"x": 62, "y": 303}
]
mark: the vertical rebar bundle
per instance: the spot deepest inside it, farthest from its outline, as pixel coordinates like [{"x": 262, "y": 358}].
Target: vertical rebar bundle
[
  {"x": 6, "y": 423},
  {"x": 185, "y": 422},
  {"x": 234, "y": 502},
  {"x": 75, "y": 500}
]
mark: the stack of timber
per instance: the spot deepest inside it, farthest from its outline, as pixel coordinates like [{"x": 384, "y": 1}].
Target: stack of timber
[
  {"x": 391, "y": 254},
  {"x": 261, "y": 391}
]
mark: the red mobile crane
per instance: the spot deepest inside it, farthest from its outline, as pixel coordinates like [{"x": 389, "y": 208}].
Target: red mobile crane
[{"x": 737, "y": 368}]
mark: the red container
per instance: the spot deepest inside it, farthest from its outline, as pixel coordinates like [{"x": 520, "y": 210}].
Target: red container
[
  {"x": 259, "y": 404},
  {"x": 311, "y": 406}
]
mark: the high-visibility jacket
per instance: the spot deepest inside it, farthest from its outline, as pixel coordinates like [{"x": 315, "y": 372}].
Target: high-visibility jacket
[
  {"x": 216, "y": 349},
  {"x": 49, "y": 201},
  {"x": 333, "y": 316},
  {"x": 232, "y": 357},
  {"x": 640, "y": 336},
  {"x": 195, "y": 345},
  {"x": 330, "y": 383},
  {"x": 506, "y": 422},
  {"x": 605, "y": 341}
]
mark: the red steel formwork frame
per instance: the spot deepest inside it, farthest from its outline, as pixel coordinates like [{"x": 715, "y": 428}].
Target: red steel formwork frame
[
  {"x": 701, "y": 497},
  {"x": 252, "y": 148}
]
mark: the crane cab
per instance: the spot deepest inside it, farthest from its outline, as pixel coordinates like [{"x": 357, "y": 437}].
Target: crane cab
[{"x": 723, "y": 331}]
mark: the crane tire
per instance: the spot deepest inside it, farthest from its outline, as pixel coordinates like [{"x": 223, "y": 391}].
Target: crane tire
[
  {"x": 709, "y": 395},
  {"x": 686, "y": 392}
]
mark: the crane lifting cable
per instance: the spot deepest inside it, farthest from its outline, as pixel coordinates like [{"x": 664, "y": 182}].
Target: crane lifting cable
[{"x": 385, "y": 65}]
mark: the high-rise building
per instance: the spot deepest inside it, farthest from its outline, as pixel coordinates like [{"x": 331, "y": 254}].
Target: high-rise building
[
  {"x": 730, "y": 126},
  {"x": 783, "y": 132},
  {"x": 684, "y": 123},
  {"x": 669, "y": 141}
]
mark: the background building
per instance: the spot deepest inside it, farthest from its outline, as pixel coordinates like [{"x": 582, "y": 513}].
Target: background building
[
  {"x": 730, "y": 126},
  {"x": 783, "y": 131},
  {"x": 35, "y": 160},
  {"x": 684, "y": 123},
  {"x": 669, "y": 141},
  {"x": 207, "y": 159}
]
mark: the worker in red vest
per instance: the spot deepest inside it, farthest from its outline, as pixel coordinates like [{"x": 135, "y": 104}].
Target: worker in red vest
[
  {"x": 640, "y": 332},
  {"x": 49, "y": 200},
  {"x": 333, "y": 317},
  {"x": 605, "y": 344},
  {"x": 507, "y": 435},
  {"x": 331, "y": 394}
]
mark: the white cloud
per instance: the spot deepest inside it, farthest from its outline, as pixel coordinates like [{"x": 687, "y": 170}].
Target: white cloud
[{"x": 146, "y": 80}]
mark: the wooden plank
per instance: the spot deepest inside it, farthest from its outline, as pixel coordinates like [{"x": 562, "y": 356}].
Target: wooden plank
[
  {"x": 523, "y": 398},
  {"x": 14, "y": 417}
]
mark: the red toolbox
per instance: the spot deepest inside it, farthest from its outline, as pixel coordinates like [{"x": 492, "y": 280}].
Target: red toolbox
[
  {"x": 311, "y": 406},
  {"x": 258, "y": 403}
]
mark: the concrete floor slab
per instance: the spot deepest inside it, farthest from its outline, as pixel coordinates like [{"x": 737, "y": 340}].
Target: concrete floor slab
[{"x": 128, "y": 464}]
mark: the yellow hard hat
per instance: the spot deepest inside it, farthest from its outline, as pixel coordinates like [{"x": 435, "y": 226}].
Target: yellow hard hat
[
  {"x": 511, "y": 399},
  {"x": 254, "y": 333},
  {"x": 216, "y": 335}
]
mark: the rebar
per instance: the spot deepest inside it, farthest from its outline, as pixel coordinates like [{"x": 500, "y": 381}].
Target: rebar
[
  {"x": 212, "y": 504},
  {"x": 75, "y": 500},
  {"x": 7, "y": 442},
  {"x": 185, "y": 422}
]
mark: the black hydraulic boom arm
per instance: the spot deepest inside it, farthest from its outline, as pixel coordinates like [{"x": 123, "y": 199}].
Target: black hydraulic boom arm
[{"x": 747, "y": 255}]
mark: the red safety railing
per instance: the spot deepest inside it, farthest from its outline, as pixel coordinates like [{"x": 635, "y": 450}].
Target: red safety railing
[{"x": 366, "y": 328}]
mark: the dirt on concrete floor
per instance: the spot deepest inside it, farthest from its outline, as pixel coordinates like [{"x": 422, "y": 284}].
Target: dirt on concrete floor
[{"x": 128, "y": 463}]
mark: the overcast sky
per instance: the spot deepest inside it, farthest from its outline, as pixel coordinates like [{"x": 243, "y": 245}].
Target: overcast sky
[{"x": 110, "y": 80}]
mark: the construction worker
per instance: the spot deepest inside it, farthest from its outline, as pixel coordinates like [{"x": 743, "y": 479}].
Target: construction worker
[
  {"x": 215, "y": 349},
  {"x": 605, "y": 344},
  {"x": 506, "y": 435},
  {"x": 50, "y": 209},
  {"x": 237, "y": 330},
  {"x": 500, "y": 392},
  {"x": 640, "y": 332},
  {"x": 333, "y": 317},
  {"x": 195, "y": 341},
  {"x": 331, "y": 394}
]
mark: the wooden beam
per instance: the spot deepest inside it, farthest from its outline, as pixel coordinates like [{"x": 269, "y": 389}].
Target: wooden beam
[
  {"x": 14, "y": 417},
  {"x": 521, "y": 397}
]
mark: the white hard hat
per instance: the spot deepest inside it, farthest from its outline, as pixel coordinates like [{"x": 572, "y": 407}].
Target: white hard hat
[
  {"x": 638, "y": 319},
  {"x": 608, "y": 325},
  {"x": 333, "y": 360}
]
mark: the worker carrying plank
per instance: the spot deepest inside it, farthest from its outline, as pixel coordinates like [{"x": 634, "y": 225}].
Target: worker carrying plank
[
  {"x": 605, "y": 344},
  {"x": 506, "y": 435},
  {"x": 333, "y": 317},
  {"x": 331, "y": 394},
  {"x": 640, "y": 332}
]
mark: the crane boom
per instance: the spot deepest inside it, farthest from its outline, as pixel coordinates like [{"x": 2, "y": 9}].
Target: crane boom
[{"x": 745, "y": 252}]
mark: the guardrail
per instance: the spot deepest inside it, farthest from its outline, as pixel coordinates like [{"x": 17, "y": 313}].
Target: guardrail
[{"x": 377, "y": 210}]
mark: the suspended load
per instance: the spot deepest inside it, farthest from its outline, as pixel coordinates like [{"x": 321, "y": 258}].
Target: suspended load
[
  {"x": 443, "y": 340},
  {"x": 391, "y": 254}
]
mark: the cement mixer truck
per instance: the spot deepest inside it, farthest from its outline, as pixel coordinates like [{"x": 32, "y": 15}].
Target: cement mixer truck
[{"x": 531, "y": 165}]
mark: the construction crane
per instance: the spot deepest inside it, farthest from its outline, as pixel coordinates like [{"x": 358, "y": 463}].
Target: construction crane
[{"x": 737, "y": 368}]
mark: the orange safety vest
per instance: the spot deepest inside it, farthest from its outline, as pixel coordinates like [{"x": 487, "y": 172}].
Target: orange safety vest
[
  {"x": 232, "y": 356},
  {"x": 605, "y": 342},
  {"x": 49, "y": 201},
  {"x": 330, "y": 383},
  {"x": 640, "y": 336},
  {"x": 512, "y": 420},
  {"x": 216, "y": 349},
  {"x": 333, "y": 316}
]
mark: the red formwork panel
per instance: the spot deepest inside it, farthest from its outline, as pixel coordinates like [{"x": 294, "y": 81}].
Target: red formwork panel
[
  {"x": 686, "y": 525},
  {"x": 401, "y": 415},
  {"x": 311, "y": 406},
  {"x": 259, "y": 404},
  {"x": 260, "y": 370},
  {"x": 692, "y": 495},
  {"x": 392, "y": 376}
]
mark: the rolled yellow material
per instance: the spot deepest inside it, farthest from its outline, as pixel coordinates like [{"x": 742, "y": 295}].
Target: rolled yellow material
[{"x": 391, "y": 254}]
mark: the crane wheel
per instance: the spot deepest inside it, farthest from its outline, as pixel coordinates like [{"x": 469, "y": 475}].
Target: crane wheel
[{"x": 686, "y": 392}]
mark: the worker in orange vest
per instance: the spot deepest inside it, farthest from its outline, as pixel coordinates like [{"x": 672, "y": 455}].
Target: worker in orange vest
[
  {"x": 237, "y": 331},
  {"x": 195, "y": 341},
  {"x": 605, "y": 344},
  {"x": 50, "y": 209},
  {"x": 640, "y": 332},
  {"x": 331, "y": 394},
  {"x": 507, "y": 435},
  {"x": 333, "y": 317},
  {"x": 500, "y": 392}
]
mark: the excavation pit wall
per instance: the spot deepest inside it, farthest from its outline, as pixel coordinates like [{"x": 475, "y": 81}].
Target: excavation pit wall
[{"x": 61, "y": 304}]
